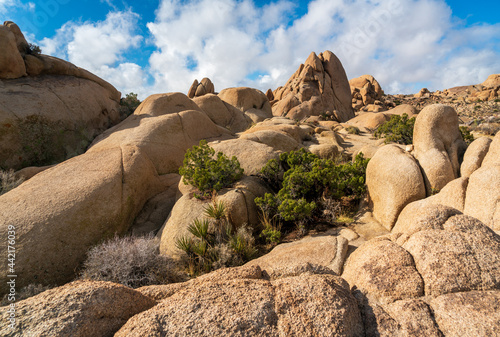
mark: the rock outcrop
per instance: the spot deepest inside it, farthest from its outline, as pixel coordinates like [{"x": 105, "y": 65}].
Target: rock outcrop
[
  {"x": 254, "y": 103},
  {"x": 439, "y": 147},
  {"x": 394, "y": 180},
  {"x": 227, "y": 304},
  {"x": 366, "y": 91},
  {"x": 125, "y": 167},
  {"x": 422, "y": 278},
  {"x": 198, "y": 89},
  {"x": 50, "y": 110},
  {"x": 318, "y": 87},
  {"x": 78, "y": 309}
]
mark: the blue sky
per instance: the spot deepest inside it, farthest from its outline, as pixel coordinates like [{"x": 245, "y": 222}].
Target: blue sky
[{"x": 156, "y": 46}]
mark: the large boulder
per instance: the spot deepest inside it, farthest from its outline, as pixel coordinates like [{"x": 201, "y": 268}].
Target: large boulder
[
  {"x": 199, "y": 89},
  {"x": 318, "y": 87},
  {"x": 365, "y": 91},
  {"x": 492, "y": 81},
  {"x": 246, "y": 99},
  {"x": 368, "y": 121},
  {"x": 51, "y": 118},
  {"x": 408, "y": 109},
  {"x": 63, "y": 211},
  {"x": 228, "y": 305},
  {"x": 11, "y": 62},
  {"x": 394, "y": 180},
  {"x": 438, "y": 145},
  {"x": 474, "y": 156},
  {"x": 222, "y": 113},
  {"x": 328, "y": 251},
  {"x": 78, "y": 309},
  {"x": 425, "y": 276}
]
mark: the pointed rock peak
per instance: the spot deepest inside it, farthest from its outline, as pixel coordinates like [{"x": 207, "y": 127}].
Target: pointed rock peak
[{"x": 314, "y": 61}]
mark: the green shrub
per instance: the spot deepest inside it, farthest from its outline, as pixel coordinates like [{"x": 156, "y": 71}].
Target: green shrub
[
  {"x": 33, "y": 49},
  {"x": 131, "y": 261},
  {"x": 466, "y": 135},
  {"x": 308, "y": 178},
  {"x": 8, "y": 181},
  {"x": 398, "y": 129},
  {"x": 213, "y": 244},
  {"x": 128, "y": 104},
  {"x": 209, "y": 172},
  {"x": 353, "y": 130}
]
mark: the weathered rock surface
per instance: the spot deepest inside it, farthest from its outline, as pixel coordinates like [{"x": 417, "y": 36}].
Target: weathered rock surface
[
  {"x": 319, "y": 86},
  {"x": 408, "y": 109},
  {"x": 474, "y": 156},
  {"x": 198, "y": 89},
  {"x": 424, "y": 276},
  {"x": 225, "y": 305},
  {"x": 394, "y": 180},
  {"x": 222, "y": 113},
  {"x": 11, "y": 61},
  {"x": 78, "y": 309},
  {"x": 368, "y": 121},
  {"x": 246, "y": 99},
  {"x": 492, "y": 81},
  {"x": 438, "y": 145},
  {"x": 47, "y": 119},
  {"x": 365, "y": 91},
  {"x": 55, "y": 225},
  {"x": 328, "y": 251}
]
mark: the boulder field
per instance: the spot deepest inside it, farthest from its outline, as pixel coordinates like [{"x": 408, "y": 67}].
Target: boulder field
[{"x": 428, "y": 264}]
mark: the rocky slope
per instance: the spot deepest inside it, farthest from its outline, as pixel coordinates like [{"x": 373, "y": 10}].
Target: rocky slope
[{"x": 413, "y": 263}]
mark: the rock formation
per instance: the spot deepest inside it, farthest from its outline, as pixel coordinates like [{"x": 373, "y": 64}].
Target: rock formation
[
  {"x": 318, "y": 87},
  {"x": 366, "y": 94},
  {"x": 198, "y": 89},
  {"x": 50, "y": 110}
]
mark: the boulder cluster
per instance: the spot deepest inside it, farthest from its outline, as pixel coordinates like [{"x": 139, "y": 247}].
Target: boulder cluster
[{"x": 423, "y": 259}]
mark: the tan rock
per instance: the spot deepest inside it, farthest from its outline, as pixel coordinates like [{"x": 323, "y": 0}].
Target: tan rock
[
  {"x": 318, "y": 86},
  {"x": 394, "y": 180},
  {"x": 473, "y": 313},
  {"x": 328, "y": 251},
  {"x": 246, "y": 98},
  {"x": 438, "y": 145},
  {"x": 474, "y": 156},
  {"x": 222, "y": 113},
  {"x": 493, "y": 155},
  {"x": 452, "y": 195},
  {"x": 11, "y": 61},
  {"x": 21, "y": 42},
  {"x": 410, "y": 110},
  {"x": 164, "y": 138},
  {"x": 383, "y": 270},
  {"x": 202, "y": 88},
  {"x": 279, "y": 141},
  {"x": 50, "y": 119},
  {"x": 424, "y": 92},
  {"x": 369, "y": 120},
  {"x": 492, "y": 81},
  {"x": 304, "y": 305},
  {"x": 78, "y": 309},
  {"x": 251, "y": 155},
  {"x": 163, "y": 104},
  {"x": 371, "y": 88},
  {"x": 482, "y": 200},
  {"x": 56, "y": 226}
]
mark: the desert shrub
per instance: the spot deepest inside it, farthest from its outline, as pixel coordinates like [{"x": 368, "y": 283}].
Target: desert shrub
[
  {"x": 353, "y": 130},
  {"x": 307, "y": 179},
  {"x": 33, "y": 49},
  {"x": 8, "y": 181},
  {"x": 398, "y": 129},
  {"x": 26, "y": 292},
  {"x": 128, "y": 104},
  {"x": 209, "y": 172},
  {"x": 131, "y": 261},
  {"x": 213, "y": 244},
  {"x": 466, "y": 135}
]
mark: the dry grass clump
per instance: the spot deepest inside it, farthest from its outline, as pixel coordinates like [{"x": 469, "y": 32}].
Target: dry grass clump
[
  {"x": 8, "y": 181},
  {"x": 131, "y": 261}
]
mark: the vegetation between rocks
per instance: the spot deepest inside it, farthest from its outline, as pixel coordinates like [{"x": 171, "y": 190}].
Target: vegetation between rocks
[
  {"x": 207, "y": 171},
  {"x": 398, "y": 129},
  {"x": 307, "y": 187},
  {"x": 128, "y": 104},
  {"x": 214, "y": 243},
  {"x": 8, "y": 181},
  {"x": 131, "y": 261}
]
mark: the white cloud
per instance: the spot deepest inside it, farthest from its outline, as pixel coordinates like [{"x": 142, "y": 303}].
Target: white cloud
[{"x": 403, "y": 43}]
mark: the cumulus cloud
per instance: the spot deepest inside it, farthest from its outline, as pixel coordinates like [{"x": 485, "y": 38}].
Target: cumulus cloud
[
  {"x": 403, "y": 43},
  {"x": 99, "y": 47}
]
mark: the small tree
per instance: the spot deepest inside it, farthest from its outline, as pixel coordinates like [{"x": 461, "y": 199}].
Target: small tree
[
  {"x": 209, "y": 172},
  {"x": 128, "y": 104}
]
